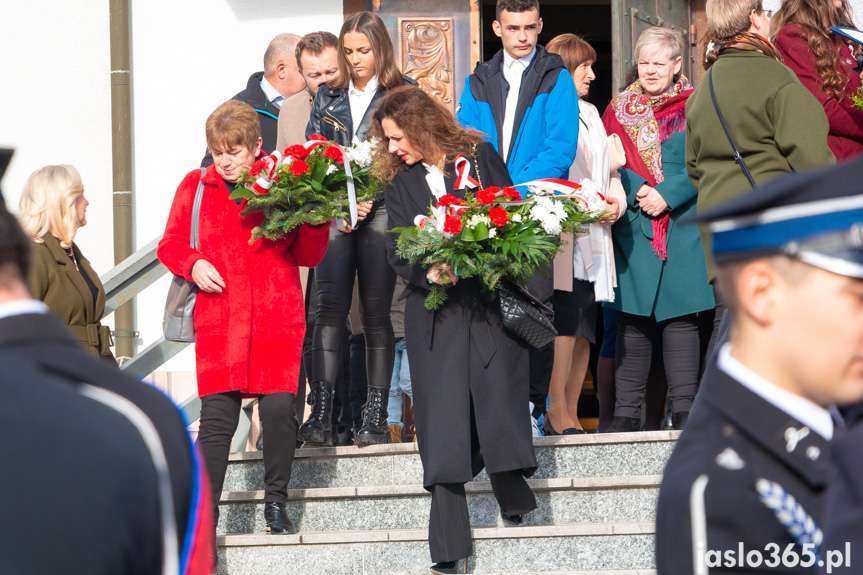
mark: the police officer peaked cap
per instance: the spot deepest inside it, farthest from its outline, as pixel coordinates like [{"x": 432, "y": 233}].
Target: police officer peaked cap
[{"x": 814, "y": 216}]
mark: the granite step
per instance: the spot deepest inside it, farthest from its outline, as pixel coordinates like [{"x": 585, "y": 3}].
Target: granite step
[
  {"x": 621, "y": 548},
  {"x": 592, "y": 455},
  {"x": 559, "y": 501}
]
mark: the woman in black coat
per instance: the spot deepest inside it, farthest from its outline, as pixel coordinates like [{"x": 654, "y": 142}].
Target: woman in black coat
[
  {"x": 342, "y": 112},
  {"x": 470, "y": 377}
]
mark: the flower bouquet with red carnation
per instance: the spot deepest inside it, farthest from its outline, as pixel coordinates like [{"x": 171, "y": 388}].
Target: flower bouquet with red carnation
[
  {"x": 494, "y": 234},
  {"x": 311, "y": 183}
]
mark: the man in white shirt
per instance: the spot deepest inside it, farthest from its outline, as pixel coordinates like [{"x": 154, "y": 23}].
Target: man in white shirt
[
  {"x": 744, "y": 488},
  {"x": 525, "y": 100},
  {"x": 266, "y": 90}
]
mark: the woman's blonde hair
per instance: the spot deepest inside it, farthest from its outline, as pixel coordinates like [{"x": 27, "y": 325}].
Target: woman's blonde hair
[
  {"x": 659, "y": 37},
  {"x": 725, "y": 18},
  {"x": 48, "y": 204}
]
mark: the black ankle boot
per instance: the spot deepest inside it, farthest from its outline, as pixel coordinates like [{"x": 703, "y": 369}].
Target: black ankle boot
[
  {"x": 375, "y": 428},
  {"x": 678, "y": 420},
  {"x": 318, "y": 428},
  {"x": 277, "y": 519},
  {"x": 624, "y": 425}
]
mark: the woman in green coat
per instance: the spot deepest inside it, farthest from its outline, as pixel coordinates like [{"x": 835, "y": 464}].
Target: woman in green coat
[
  {"x": 52, "y": 208},
  {"x": 662, "y": 278}
]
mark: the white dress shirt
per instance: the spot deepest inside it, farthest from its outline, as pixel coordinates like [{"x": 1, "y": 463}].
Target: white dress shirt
[
  {"x": 435, "y": 180},
  {"x": 513, "y": 70},
  {"x": 360, "y": 101},
  {"x": 806, "y": 412},
  {"x": 271, "y": 93},
  {"x": 22, "y": 307}
]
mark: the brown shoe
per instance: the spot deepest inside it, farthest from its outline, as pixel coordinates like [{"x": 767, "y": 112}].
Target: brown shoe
[{"x": 395, "y": 433}]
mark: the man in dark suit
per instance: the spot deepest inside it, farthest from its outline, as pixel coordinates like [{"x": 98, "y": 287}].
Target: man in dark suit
[
  {"x": 744, "y": 490},
  {"x": 131, "y": 482},
  {"x": 265, "y": 91}
]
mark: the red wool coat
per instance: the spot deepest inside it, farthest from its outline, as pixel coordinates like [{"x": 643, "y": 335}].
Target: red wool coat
[
  {"x": 250, "y": 336},
  {"x": 846, "y": 122}
]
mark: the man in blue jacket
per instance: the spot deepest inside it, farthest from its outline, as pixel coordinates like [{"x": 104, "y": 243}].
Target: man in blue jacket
[
  {"x": 524, "y": 98},
  {"x": 525, "y": 101}
]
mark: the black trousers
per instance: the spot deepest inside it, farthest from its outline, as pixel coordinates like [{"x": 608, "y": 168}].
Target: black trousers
[
  {"x": 541, "y": 361},
  {"x": 449, "y": 524},
  {"x": 220, "y": 413},
  {"x": 361, "y": 254},
  {"x": 681, "y": 353}
]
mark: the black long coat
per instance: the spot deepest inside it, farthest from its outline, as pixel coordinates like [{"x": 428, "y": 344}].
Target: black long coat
[
  {"x": 470, "y": 377},
  {"x": 733, "y": 439}
]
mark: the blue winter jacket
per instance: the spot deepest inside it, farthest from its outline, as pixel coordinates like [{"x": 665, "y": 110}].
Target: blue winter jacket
[{"x": 546, "y": 119}]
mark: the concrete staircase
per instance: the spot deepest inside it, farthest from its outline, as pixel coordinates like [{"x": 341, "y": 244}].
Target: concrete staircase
[{"x": 364, "y": 512}]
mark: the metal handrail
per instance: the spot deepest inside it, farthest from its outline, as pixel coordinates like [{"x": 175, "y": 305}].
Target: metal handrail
[{"x": 123, "y": 283}]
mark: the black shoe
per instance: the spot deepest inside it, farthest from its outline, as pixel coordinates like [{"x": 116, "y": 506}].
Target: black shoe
[
  {"x": 446, "y": 567},
  {"x": 277, "y": 519},
  {"x": 549, "y": 430},
  {"x": 624, "y": 425},
  {"x": 512, "y": 518},
  {"x": 318, "y": 428},
  {"x": 375, "y": 429},
  {"x": 678, "y": 420}
]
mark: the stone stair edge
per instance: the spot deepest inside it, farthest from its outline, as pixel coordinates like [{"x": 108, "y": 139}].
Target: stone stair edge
[
  {"x": 409, "y": 448},
  {"x": 474, "y": 487},
  {"x": 410, "y": 535}
]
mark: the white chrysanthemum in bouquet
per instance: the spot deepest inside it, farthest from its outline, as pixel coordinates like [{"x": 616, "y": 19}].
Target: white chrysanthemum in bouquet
[
  {"x": 549, "y": 213},
  {"x": 592, "y": 200},
  {"x": 360, "y": 153}
]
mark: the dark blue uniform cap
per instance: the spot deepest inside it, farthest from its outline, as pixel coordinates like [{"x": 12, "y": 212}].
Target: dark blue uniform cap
[{"x": 815, "y": 216}]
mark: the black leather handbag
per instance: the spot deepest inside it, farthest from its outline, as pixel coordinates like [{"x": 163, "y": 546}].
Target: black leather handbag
[{"x": 525, "y": 316}]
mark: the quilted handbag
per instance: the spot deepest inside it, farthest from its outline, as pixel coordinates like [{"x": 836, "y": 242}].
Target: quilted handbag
[
  {"x": 529, "y": 319},
  {"x": 179, "y": 321}
]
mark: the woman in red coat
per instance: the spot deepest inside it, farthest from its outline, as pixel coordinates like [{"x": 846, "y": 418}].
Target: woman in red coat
[
  {"x": 824, "y": 63},
  {"x": 249, "y": 317}
]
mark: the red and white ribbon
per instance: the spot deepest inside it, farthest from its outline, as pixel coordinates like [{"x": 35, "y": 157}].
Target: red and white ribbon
[
  {"x": 561, "y": 188},
  {"x": 463, "y": 177}
]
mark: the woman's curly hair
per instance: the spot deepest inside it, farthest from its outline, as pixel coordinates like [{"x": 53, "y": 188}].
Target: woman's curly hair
[
  {"x": 816, "y": 17},
  {"x": 430, "y": 128}
]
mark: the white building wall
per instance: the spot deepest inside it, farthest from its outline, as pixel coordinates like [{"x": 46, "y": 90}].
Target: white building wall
[{"x": 188, "y": 56}]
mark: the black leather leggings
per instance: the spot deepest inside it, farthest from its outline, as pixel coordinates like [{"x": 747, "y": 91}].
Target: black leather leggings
[{"x": 361, "y": 254}]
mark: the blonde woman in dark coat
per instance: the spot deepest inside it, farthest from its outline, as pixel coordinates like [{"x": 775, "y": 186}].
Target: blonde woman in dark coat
[{"x": 52, "y": 208}]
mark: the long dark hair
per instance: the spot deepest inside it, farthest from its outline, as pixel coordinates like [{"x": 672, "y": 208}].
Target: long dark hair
[
  {"x": 430, "y": 128},
  {"x": 375, "y": 30},
  {"x": 816, "y": 17}
]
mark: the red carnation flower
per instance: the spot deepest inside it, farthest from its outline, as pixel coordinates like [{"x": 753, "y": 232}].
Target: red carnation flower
[
  {"x": 511, "y": 193},
  {"x": 298, "y": 168},
  {"x": 486, "y": 196},
  {"x": 297, "y": 151},
  {"x": 256, "y": 168},
  {"x": 317, "y": 137},
  {"x": 498, "y": 216},
  {"x": 452, "y": 224},
  {"x": 449, "y": 200},
  {"x": 334, "y": 153}
]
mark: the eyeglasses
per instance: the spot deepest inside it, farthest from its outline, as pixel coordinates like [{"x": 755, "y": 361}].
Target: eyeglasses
[{"x": 768, "y": 13}]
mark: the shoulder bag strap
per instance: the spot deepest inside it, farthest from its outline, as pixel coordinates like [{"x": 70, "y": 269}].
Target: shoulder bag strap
[
  {"x": 737, "y": 157},
  {"x": 196, "y": 212}
]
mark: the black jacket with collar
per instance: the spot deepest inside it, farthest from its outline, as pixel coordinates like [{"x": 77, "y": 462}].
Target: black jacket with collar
[
  {"x": 331, "y": 114},
  {"x": 44, "y": 340},
  {"x": 733, "y": 439},
  {"x": 268, "y": 114}
]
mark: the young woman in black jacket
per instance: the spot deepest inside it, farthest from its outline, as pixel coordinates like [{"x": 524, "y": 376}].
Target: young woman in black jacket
[
  {"x": 469, "y": 375},
  {"x": 342, "y": 112}
]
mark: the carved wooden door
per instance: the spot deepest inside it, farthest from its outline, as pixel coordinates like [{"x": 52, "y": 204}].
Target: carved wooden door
[
  {"x": 629, "y": 18},
  {"x": 436, "y": 43}
]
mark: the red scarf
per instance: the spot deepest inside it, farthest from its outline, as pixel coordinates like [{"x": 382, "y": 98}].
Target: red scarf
[{"x": 643, "y": 123}]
